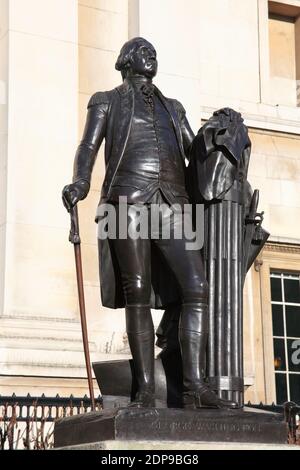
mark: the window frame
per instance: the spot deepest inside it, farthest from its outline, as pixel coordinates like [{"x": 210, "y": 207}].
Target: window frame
[
  {"x": 282, "y": 258},
  {"x": 274, "y": 274},
  {"x": 264, "y": 51}
]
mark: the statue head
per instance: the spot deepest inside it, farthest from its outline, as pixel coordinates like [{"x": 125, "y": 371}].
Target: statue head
[{"x": 137, "y": 57}]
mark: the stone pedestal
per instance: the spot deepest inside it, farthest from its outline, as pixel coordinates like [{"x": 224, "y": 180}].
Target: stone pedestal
[{"x": 166, "y": 424}]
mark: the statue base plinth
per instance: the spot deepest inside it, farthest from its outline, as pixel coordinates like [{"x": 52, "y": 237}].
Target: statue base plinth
[{"x": 167, "y": 424}]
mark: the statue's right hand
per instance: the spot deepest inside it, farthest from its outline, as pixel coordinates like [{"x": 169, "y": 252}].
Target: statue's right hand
[{"x": 74, "y": 192}]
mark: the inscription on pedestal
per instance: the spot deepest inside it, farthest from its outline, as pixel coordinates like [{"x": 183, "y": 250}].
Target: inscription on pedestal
[{"x": 208, "y": 426}]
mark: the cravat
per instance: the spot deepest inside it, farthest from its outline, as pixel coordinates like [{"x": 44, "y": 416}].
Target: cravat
[{"x": 147, "y": 90}]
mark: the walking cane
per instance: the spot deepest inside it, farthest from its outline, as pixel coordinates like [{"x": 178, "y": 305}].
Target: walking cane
[{"x": 74, "y": 238}]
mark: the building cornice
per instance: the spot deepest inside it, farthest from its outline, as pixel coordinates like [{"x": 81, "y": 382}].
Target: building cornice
[{"x": 282, "y": 247}]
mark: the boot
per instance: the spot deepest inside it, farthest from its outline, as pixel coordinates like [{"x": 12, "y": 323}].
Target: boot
[
  {"x": 140, "y": 333},
  {"x": 193, "y": 334},
  {"x": 204, "y": 397}
]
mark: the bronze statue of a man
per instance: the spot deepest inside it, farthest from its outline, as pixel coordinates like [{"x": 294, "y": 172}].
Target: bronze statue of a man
[{"x": 147, "y": 138}]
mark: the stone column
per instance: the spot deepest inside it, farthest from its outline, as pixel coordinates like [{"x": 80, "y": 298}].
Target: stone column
[
  {"x": 40, "y": 334},
  {"x": 3, "y": 136}
]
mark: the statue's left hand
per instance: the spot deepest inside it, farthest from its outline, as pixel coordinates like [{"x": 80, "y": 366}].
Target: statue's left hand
[{"x": 74, "y": 192}]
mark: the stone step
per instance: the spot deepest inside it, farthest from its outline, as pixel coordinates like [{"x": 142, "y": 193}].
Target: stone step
[{"x": 179, "y": 446}]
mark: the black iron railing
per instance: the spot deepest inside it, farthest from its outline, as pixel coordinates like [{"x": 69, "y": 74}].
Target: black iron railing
[{"x": 28, "y": 422}]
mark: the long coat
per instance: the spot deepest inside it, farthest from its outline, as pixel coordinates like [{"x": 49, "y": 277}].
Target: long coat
[{"x": 110, "y": 116}]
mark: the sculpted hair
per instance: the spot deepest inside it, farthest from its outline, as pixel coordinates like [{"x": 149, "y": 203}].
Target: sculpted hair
[{"x": 127, "y": 52}]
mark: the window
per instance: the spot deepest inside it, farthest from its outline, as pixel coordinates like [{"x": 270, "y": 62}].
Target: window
[
  {"x": 285, "y": 300},
  {"x": 284, "y": 47}
]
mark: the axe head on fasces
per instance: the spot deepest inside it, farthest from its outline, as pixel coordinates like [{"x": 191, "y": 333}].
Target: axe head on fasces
[{"x": 255, "y": 235}]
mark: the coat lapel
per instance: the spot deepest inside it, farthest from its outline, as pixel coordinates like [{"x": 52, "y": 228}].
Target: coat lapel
[
  {"x": 122, "y": 130},
  {"x": 171, "y": 110},
  {"x": 126, "y": 114}
]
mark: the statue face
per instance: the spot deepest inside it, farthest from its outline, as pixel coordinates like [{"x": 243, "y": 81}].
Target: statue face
[{"x": 143, "y": 61}]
